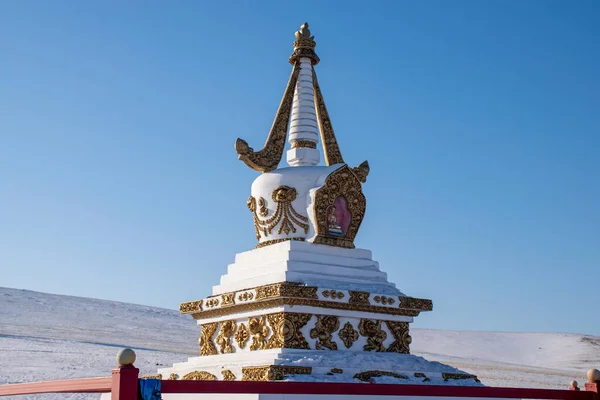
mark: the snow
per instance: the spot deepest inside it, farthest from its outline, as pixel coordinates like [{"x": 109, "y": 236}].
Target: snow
[{"x": 46, "y": 337}]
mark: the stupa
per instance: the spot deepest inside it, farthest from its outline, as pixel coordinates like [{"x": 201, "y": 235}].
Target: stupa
[{"x": 305, "y": 304}]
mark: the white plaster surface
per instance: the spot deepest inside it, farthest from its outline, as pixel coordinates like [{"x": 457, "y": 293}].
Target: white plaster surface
[{"x": 307, "y": 263}]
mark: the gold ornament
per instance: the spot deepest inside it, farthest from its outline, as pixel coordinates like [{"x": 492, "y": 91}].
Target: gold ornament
[
  {"x": 207, "y": 347},
  {"x": 331, "y": 149},
  {"x": 367, "y": 375},
  {"x": 447, "y": 376},
  {"x": 224, "y": 337},
  {"x": 190, "y": 307},
  {"x": 227, "y": 299},
  {"x": 375, "y": 335},
  {"x": 272, "y": 373},
  {"x": 259, "y": 331},
  {"x": 414, "y": 303},
  {"x": 242, "y": 335},
  {"x": 402, "y": 339},
  {"x": 268, "y": 158},
  {"x": 300, "y": 143},
  {"x": 342, "y": 183},
  {"x": 333, "y": 294},
  {"x": 173, "y": 377},
  {"x": 286, "y": 331},
  {"x": 275, "y": 241},
  {"x": 286, "y": 289},
  {"x": 228, "y": 375},
  {"x": 422, "y": 375},
  {"x": 348, "y": 334},
  {"x": 199, "y": 376},
  {"x": 323, "y": 331},
  {"x": 151, "y": 376},
  {"x": 362, "y": 171},
  {"x": 358, "y": 297}
]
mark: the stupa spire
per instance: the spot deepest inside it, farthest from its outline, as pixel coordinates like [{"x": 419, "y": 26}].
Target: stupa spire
[{"x": 303, "y": 111}]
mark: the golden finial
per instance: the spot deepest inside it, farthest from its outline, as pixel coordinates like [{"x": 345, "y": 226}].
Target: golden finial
[{"x": 304, "y": 46}]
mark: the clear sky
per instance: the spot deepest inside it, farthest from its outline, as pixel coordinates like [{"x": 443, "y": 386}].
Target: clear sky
[{"x": 480, "y": 120}]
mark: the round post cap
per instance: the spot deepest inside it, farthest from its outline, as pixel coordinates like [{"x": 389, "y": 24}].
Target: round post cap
[
  {"x": 125, "y": 357},
  {"x": 593, "y": 375}
]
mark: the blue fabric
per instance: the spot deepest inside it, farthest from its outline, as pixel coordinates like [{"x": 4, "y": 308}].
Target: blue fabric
[{"x": 149, "y": 389}]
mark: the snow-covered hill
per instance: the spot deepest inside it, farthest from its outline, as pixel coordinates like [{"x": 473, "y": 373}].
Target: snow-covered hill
[{"x": 45, "y": 336}]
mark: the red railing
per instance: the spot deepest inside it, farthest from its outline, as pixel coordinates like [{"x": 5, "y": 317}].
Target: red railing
[{"x": 123, "y": 385}]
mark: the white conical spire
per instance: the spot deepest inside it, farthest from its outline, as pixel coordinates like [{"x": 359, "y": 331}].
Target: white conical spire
[{"x": 304, "y": 126}]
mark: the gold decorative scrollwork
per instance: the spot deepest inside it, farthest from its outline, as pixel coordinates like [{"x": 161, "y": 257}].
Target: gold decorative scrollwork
[
  {"x": 414, "y": 303},
  {"x": 242, "y": 335},
  {"x": 367, "y": 375},
  {"x": 384, "y": 300},
  {"x": 228, "y": 375},
  {"x": 348, "y": 334},
  {"x": 343, "y": 183},
  {"x": 268, "y": 158},
  {"x": 286, "y": 331},
  {"x": 286, "y": 289},
  {"x": 402, "y": 338},
  {"x": 272, "y": 373},
  {"x": 331, "y": 149},
  {"x": 259, "y": 331},
  {"x": 334, "y": 294},
  {"x": 362, "y": 171},
  {"x": 173, "y": 377},
  {"x": 227, "y": 299},
  {"x": 207, "y": 347},
  {"x": 224, "y": 337},
  {"x": 301, "y": 143},
  {"x": 357, "y": 297},
  {"x": 151, "y": 376},
  {"x": 323, "y": 331},
  {"x": 422, "y": 375},
  {"x": 284, "y": 215},
  {"x": 190, "y": 307},
  {"x": 199, "y": 376},
  {"x": 375, "y": 335},
  {"x": 447, "y": 376}
]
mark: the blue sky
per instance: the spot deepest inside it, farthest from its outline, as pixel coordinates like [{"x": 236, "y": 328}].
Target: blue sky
[{"x": 480, "y": 120}]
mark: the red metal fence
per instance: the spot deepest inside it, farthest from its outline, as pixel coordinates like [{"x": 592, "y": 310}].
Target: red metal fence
[{"x": 123, "y": 385}]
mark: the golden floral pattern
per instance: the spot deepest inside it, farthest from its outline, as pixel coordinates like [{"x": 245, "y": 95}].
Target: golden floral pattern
[
  {"x": 358, "y": 297},
  {"x": 272, "y": 373},
  {"x": 224, "y": 337},
  {"x": 242, "y": 335},
  {"x": 284, "y": 216},
  {"x": 228, "y": 375},
  {"x": 348, "y": 334},
  {"x": 259, "y": 331},
  {"x": 199, "y": 376},
  {"x": 323, "y": 331},
  {"x": 286, "y": 330},
  {"x": 207, "y": 347},
  {"x": 368, "y": 375},
  {"x": 190, "y": 307},
  {"x": 375, "y": 335},
  {"x": 402, "y": 339}
]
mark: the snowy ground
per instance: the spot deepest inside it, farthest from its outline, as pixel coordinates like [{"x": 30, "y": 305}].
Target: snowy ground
[{"x": 45, "y": 336}]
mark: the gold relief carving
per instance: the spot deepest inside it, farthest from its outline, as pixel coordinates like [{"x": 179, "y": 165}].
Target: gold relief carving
[
  {"x": 367, "y": 375},
  {"x": 259, "y": 331},
  {"x": 343, "y": 183},
  {"x": 272, "y": 373},
  {"x": 207, "y": 347},
  {"x": 358, "y": 297},
  {"x": 281, "y": 301},
  {"x": 151, "y": 376},
  {"x": 268, "y": 158},
  {"x": 242, "y": 335},
  {"x": 286, "y": 289},
  {"x": 447, "y": 376},
  {"x": 212, "y": 302},
  {"x": 402, "y": 338},
  {"x": 227, "y": 299},
  {"x": 422, "y": 375},
  {"x": 275, "y": 241},
  {"x": 384, "y": 300},
  {"x": 245, "y": 296},
  {"x": 348, "y": 334},
  {"x": 224, "y": 337},
  {"x": 190, "y": 307},
  {"x": 331, "y": 149},
  {"x": 414, "y": 303},
  {"x": 337, "y": 371},
  {"x": 286, "y": 331},
  {"x": 284, "y": 213},
  {"x": 173, "y": 377},
  {"x": 304, "y": 143},
  {"x": 333, "y": 294},
  {"x": 362, "y": 171},
  {"x": 199, "y": 376},
  {"x": 375, "y": 335},
  {"x": 228, "y": 375},
  {"x": 323, "y": 331}
]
